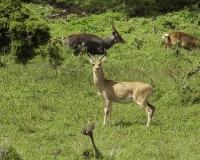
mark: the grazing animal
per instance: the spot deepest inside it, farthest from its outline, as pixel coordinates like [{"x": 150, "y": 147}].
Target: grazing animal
[
  {"x": 92, "y": 43},
  {"x": 182, "y": 39},
  {"x": 121, "y": 92}
]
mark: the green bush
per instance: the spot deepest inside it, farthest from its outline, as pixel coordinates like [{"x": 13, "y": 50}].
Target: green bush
[
  {"x": 21, "y": 30},
  {"x": 128, "y": 7}
]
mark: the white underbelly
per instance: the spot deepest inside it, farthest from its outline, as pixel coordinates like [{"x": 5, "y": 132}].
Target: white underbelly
[
  {"x": 128, "y": 100},
  {"x": 118, "y": 100}
]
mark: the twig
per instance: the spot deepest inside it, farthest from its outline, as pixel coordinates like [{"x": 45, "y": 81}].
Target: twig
[
  {"x": 57, "y": 152},
  {"x": 189, "y": 74},
  {"x": 88, "y": 130},
  {"x": 111, "y": 154}
]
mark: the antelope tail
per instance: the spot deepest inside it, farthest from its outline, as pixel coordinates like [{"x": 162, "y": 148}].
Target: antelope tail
[{"x": 165, "y": 35}]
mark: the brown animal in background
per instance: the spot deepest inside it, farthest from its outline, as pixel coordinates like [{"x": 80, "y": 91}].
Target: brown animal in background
[
  {"x": 181, "y": 39},
  {"x": 121, "y": 92},
  {"x": 92, "y": 43}
]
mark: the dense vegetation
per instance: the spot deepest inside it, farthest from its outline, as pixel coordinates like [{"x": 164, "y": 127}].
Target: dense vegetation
[
  {"x": 21, "y": 30},
  {"x": 128, "y": 7},
  {"x": 46, "y": 101}
]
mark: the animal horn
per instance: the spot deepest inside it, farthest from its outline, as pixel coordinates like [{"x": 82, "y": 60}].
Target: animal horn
[
  {"x": 114, "y": 27},
  {"x": 90, "y": 56},
  {"x": 102, "y": 57}
]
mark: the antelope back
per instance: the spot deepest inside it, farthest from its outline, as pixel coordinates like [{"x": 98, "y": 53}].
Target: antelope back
[
  {"x": 92, "y": 43},
  {"x": 79, "y": 39}
]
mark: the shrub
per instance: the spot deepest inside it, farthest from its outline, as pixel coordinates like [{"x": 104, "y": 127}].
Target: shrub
[{"x": 21, "y": 30}]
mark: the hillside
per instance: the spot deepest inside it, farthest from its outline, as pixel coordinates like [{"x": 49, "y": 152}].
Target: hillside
[{"x": 46, "y": 102}]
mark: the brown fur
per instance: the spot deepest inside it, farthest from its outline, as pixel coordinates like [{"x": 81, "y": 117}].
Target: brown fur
[
  {"x": 121, "y": 92},
  {"x": 182, "y": 39}
]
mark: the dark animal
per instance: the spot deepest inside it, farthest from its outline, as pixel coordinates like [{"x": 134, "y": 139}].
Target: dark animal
[
  {"x": 181, "y": 39},
  {"x": 92, "y": 43}
]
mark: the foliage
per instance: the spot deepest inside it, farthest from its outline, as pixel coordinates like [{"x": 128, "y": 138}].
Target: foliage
[
  {"x": 73, "y": 24},
  {"x": 128, "y": 7},
  {"x": 21, "y": 30},
  {"x": 46, "y": 103},
  {"x": 168, "y": 5},
  {"x": 54, "y": 52},
  {"x": 137, "y": 7}
]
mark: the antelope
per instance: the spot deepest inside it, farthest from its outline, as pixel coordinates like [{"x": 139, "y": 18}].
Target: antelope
[
  {"x": 121, "y": 92},
  {"x": 182, "y": 39},
  {"x": 92, "y": 43}
]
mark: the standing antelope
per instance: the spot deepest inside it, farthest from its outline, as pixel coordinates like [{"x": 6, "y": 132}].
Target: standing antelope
[
  {"x": 121, "y": 92},
  {"x": 182, "y": 39},
  {"x": 93, "y": 43}
]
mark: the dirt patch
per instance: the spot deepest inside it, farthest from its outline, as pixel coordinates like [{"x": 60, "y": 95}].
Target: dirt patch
[{"x": 66, "y": 10}]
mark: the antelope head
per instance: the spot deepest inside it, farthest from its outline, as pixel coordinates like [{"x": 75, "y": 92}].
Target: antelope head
[
  {"x": 117, "y": 37},
  {"x": 97, "y": 63}
]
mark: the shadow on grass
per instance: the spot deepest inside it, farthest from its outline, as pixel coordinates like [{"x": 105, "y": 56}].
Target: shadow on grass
[
  {"x": 123, "y": 123},
  {"x": 128, "y": 123}
]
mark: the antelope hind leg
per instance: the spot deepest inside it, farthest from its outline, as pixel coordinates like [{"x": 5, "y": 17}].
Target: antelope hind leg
[
  {"x": 153, "y": 108},
  {"x": 149, "y": 109},
  {"x": 150, "y": 113}
]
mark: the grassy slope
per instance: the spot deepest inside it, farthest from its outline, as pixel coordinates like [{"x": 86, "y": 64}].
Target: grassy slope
[{"x": 44, "y": 109}]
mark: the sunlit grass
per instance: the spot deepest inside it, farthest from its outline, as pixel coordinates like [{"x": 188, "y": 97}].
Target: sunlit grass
[{"x": 43, "y": 108}]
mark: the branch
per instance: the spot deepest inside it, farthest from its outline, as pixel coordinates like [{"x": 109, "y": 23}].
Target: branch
[
  {"x": 173, "y": 77},
  {"x": 88, "y": 130},
  {"x": 189, "y": 74}
]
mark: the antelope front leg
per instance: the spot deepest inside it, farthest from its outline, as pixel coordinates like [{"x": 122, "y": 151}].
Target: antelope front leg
[
  {"x": 105, "y": 115},
  {"x": 107, "y": 112}
]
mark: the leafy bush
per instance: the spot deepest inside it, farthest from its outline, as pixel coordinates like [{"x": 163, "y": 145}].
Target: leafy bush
[
  {"x": 54, "y": 53},
  {"x": 136, "y": 7},
  {"x": 21, "y": 31},
  {"x": 128, "y": 7}
]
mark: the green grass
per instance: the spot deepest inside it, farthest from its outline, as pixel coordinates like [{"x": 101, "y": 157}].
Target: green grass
[{"x": 44, "y": 109}]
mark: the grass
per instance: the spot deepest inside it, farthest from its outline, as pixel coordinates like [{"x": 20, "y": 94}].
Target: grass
[{"x": 43, "y": 109}]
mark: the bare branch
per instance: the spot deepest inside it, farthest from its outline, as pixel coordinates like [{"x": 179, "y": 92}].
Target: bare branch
[{"x": 189, "y": 74}]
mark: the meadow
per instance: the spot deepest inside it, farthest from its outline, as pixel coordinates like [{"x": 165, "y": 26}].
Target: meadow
[{"x": 44, "y": 108}]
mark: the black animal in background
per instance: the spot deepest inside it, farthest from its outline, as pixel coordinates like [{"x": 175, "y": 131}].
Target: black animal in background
[{"x": 92, "y": 43}]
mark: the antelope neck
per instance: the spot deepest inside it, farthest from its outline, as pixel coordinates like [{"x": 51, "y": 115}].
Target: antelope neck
[
  {"x": 98, "y": 77},
  {"x": 109, "y": 42}
]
